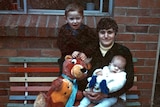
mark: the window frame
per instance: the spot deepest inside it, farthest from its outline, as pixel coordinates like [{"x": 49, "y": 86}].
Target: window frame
[{"x": 61, "y": 12}]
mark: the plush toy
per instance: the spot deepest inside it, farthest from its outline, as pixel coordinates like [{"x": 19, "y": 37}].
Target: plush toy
[{"x": 64, "y": 90}]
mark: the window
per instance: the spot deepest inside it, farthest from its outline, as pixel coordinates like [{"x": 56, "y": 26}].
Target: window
[{"x": 55, "y": 7}]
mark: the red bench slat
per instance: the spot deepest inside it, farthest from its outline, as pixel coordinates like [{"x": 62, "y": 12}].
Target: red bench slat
[{"x": 30, "y": 88}]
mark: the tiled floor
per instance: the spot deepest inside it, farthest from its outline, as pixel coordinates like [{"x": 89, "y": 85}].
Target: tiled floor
[{"x": 157, "y": 90}]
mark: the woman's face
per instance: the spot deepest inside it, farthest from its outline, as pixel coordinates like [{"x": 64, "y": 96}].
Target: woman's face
[
  {"x": 106, "y": 37},
  {"x": 74, "y": 19}
]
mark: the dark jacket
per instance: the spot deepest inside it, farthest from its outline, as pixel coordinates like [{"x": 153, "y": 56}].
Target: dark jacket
[
  {"x": 69, "y": 40},
  {"x": 98, "y": 61}
]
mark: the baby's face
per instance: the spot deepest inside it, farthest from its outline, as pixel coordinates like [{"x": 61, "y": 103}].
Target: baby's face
[
  {"x": 74, "y": 19},
  {"x": 117, "y": 66}
]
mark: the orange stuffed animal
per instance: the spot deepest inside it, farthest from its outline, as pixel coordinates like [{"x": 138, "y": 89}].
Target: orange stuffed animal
[{"x": 64, "y": 90}]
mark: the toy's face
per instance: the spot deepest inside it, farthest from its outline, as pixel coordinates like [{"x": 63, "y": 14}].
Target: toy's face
[
  {"x": 63, "y": 94},
  {"x": 74, "y": 68}
]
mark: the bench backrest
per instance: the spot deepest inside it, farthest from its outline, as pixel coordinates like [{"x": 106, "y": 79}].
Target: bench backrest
[{"x": 28, "y": 80}]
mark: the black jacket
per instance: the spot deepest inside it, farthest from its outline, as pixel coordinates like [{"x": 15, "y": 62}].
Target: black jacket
[{"x": 98, "y": 61}]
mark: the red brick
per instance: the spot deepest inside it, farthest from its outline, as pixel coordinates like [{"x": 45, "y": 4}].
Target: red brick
[
  {"x": 4, "y": 85},
  {"x": 3, "y": 61},
  {"x": 52, "y": 22},
  {"x": 12, "y": 30},
  {"x": 136, "y": 46},
  {"x": 145, "y": 85},
  {"x": 118, "y": 11},
  {"x": 137, "y": 29},
  {"x": 51, "y": 52},
  {"x": 34, "y": 20},
  {"x": 125, "y": 37},
  {"x": 42, "y": 21},
  {"x": 126, "y": 3},
  {"x": 42, "y": 32},
  {"x": 3, "y": 100},
  {"x": 155, "y": 12},
  {"x": 38, "y": 43},
  {"x": 146, "y": 38},
  {"x": 121, "y": 28},
  {"x": 91, "y": 22},
  {"x": 149, "y": 20},
  {"x": 150, "y": 3},
  {"x": 151, "y": 46},
  {"x": 61, "y": 21},
  {"x": 3, "y": 92},
  {"x": 4, "y": 20},
  {"x": 31, "y": 32},
  {"x": 154, "y": 29},
  {"x": 3, "y": 31},
  {"x": 126, "y": 20},
  {"x": 7, "y": 52},
  {"x": 150, "y": 62},
  {"x": 23, "y": 20},
  {"x": 146, "y": 54},
  {"x": 42, "y": 26},
  {"x": 29, "y": 53},
  {"x": 138, "y": 12},
  {"x": 21, "y": 31}
]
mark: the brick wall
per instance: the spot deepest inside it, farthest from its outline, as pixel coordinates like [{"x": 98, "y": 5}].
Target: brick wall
[{"x": 35, "y": 35}]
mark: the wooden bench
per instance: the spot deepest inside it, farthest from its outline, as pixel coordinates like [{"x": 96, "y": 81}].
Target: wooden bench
[{"x": 29, "y": 77}]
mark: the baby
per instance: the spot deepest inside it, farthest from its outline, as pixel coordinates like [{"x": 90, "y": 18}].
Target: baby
[{"x": 107, "y": 80}]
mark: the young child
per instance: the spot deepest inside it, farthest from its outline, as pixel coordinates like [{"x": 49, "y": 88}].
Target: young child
[
  {"x": 74, "y": 37},
  {"x": 107, "y": 80}
]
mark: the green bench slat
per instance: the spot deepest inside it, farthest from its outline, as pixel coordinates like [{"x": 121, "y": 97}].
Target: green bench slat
[
  {"x": 133, "y": 104},
  {"x": 40, "y": 59},
  {"x": 19, "y": 105},
  {"x": 32, "y": 59},
  {"x": 22, "y": 97}
]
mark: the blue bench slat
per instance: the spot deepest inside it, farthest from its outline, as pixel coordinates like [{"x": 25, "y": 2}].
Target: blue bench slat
[
  {"x": 132, "y": 97},
  {"x": 22, "y": 97},
  {"x": 19, "y": 105}
]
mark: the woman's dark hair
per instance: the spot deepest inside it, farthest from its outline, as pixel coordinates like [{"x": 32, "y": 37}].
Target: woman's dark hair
[{"x": 107, "y": 23}]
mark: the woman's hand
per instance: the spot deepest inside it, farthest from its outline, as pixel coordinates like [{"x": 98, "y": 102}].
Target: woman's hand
[{"x": 94, "y": 96}]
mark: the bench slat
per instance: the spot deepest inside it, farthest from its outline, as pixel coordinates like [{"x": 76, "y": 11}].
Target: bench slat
[
  {"x": 133, "y": 104},
  {"x": 19, "y": 105},
  {"x": 30, "y": 88},
  {"x": 22, "y": 97},
  {"x": 34, "y": 69},
  {"x": 33, "y": 97},
  {"x": 132, "y": 97},
  {"x": 33, "y": 59},
  {"x": 32, "y": 79}
]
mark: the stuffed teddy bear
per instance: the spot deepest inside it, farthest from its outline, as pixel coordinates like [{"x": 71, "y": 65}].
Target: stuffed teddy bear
[{"x": 64, "y": 90}]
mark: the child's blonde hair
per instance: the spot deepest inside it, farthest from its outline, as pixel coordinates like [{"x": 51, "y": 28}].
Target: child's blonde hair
[{"x": 74, "y": 7}]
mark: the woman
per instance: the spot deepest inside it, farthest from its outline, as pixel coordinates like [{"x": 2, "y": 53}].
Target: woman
[{"x": 106, "y": 49}]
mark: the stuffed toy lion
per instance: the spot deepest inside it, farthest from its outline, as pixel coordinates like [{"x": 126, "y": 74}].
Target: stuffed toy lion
[{"x": 64, "y": 90}]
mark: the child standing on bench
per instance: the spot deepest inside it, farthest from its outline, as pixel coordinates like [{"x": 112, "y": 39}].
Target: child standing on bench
[{"x": 75, "y": 37}]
